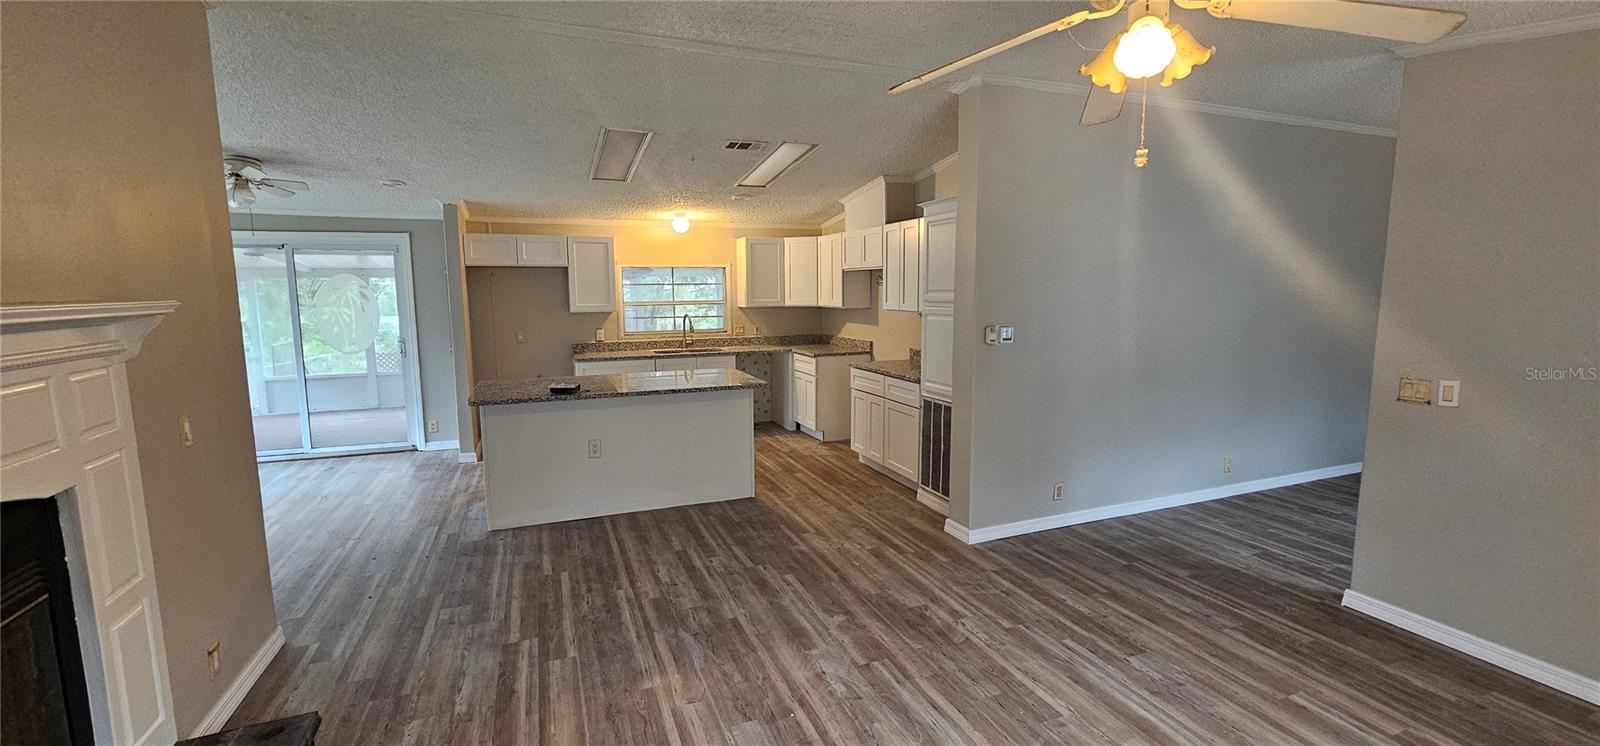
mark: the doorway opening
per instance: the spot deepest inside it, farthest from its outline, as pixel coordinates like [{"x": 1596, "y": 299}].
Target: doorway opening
[{"x": 332, "y": 366}]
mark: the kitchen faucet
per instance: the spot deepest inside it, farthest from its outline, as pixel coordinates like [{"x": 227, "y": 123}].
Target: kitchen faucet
[{"x": 688, "y": 326}]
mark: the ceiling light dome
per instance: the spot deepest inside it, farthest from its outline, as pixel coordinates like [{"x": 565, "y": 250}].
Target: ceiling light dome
[
  {"x": 680, "y": 223},
  {"x": 1145, "y": 49}
]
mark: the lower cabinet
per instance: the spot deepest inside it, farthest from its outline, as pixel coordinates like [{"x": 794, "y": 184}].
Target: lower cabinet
[
  {"x": 819, "y": 394},
  {"x": 805, "y": 400},
  {"x": 600, "y": 367},
  {"x": 885, "y": 429}
]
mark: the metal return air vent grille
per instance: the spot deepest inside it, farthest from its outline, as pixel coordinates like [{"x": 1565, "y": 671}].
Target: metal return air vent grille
[{"x": 746, "y": 146}]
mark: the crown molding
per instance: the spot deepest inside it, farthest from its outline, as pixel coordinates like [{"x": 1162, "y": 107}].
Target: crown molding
[
  {"x": 352, "y": 214},
  {"x": 939, "y": 165},
  {"x": 1169, "y": 102},
  {"x": 525, "y": 220},
  {"x": 1499, "y": 36},
  {"x": 830, "y": 222}
]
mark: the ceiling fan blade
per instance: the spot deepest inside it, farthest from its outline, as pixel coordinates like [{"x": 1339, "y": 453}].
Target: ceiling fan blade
[
  {"x": 1101, "y": 106},
  {"x": 1058, "y": 25},
  {"x": 274, "y": 189},
  {"x": 1397, "y": 22},
  {"x": 252, "y": 173},
  {"x": 298, "y": 186}
]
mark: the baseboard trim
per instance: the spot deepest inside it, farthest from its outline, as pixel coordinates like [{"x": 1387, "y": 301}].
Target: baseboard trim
[
  {"x": 1522, "y": 664},
  {"x": 959, "y": 531},
  {"x": 467, "y": 457},
  {"x": 1062, "y": 520},
  {"x": 441, "y": 445},
  {"x": 940, "y": 504},
  {"x": 223, "y": 709}
]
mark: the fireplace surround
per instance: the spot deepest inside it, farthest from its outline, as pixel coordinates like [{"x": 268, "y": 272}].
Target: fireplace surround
[{"x": 66, "y": 431}]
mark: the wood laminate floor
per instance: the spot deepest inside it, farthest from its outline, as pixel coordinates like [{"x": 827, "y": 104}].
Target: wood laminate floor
[{"x": 832, "y": 608}]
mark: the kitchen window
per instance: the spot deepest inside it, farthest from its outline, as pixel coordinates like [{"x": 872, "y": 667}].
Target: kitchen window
[{"x": 655, "y": 299}]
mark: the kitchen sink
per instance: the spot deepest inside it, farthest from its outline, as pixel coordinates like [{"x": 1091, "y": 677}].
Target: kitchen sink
[{"x": 685, "y": 350}]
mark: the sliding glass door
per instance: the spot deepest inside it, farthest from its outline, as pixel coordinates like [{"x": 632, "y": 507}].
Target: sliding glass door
[{"x": 329, "y": 365}]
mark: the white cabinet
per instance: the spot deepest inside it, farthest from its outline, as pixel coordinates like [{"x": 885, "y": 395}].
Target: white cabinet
[
  {"x": 884, "y": 428},
  {"x": 591, "y": 274},
  {"x": 800, "y": 270},
  {"x": 703, "y": 362},
  {"x": 938, "y": 350},
  {"x": 863, "y": 249},
  {"x": 805, "y": 399},
  {"x": 902, "y": 275},
  {"x": 599, "y": 367},
  {"x": 542, "y": 251},
  {"x": 758, "y": 271},
  {"x": 902, "y": 432},
  {"x": 694, "y": 363},
  {"x": 837, "y": 288},
  {"x": 507, "y": 250},
  {"x": 939, "y": 252},
  {"x": 491, "y": 250}
]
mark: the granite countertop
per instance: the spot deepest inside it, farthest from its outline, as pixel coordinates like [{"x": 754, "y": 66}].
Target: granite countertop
[
  {"x": 814, "y": 350},
  {"x": 611, "y": 386},
  {"x": 904, "y": 370}
]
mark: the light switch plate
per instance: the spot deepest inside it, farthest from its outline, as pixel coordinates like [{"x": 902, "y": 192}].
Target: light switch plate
[
  {"x": 1449, "y": 394},
  {"x": 991, "y": 335},
  {"x": 1008, "y": 334},
  {"x": 1415, "y": 390}
]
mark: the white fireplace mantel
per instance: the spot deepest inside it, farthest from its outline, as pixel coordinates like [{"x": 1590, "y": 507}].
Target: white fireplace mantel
[{"x": 66, "y": 431}]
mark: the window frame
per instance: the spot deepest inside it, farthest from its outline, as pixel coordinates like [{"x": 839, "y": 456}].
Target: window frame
[{"x": 623, "y": 303}]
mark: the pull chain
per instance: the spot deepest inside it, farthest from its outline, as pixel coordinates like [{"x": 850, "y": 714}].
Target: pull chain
[{"x": 1141, "y": 157}]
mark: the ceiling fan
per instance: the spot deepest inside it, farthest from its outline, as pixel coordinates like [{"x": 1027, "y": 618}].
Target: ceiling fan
[
  {"x": 244, "y": 176},
  {"x": 1150, "y": 45}
]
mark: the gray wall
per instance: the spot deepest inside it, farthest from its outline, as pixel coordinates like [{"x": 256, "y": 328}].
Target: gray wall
[
  {"x": 431, "y": 288},
  {"x": 131, "y": 82},
  {"x": 1221, "y": 302},
  {"x": 1486, "y": 517}
]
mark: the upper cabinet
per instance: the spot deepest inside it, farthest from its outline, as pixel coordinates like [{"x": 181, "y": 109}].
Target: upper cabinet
[
  {"x": 837, "y": 288},
  {"x": 902, "y": 263},
  {"x": 758, "y": 271},
  {"x": 939, "y": 252},
  {"x": 800, "y": 270},
  {"x": 863, "y": 249},
  {"x": 507, "y": 250},
  {"x": 591, "y": 274}
]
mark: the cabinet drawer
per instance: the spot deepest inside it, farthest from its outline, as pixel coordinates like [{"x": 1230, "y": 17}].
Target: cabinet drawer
[
  {"x": 904, "y": 392},
  {"x": 805, "y": 364},
  {"x": 871, "y": 383}
]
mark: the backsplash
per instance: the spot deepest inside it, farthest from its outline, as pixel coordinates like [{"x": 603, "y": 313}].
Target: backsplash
[
  {"x": 916, "y": 358},
  {"x": 720, "y": 341}
]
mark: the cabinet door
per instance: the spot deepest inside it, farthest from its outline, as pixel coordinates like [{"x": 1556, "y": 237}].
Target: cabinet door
[
  {"x": 591, "y": 276},
  {"x": 800, "y": 271},
  {"x": 938, "y": 349},
  {"x": 805, "y": 400},
  {"x": 939, "y": 260},
  {"x": 860, "y": 420},
  {"x": 487, "y": 250},
  {"x": 875, "y": 414},
  {"x": 893, "y": 266},
  {"x": 854, "y": 252},
  {"x": 542, "y": 251},
  {"x": 760, "y": 275},
  {"x": 902, "y": 433},
  {"x": 872, "y": 248},
  {"x": 911, "y": 265},
  {"x": 828, "y": 274}
]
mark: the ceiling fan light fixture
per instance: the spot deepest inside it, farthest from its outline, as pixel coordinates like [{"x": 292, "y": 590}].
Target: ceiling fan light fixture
[
  {"x": 1103, "y": 72},
  {"x": 1190, "y": 53},
  {"x": 1145, "y": 49},
  {"x": 240, "y": 195}
]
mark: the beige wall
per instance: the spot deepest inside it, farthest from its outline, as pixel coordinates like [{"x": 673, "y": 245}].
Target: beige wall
[
  {"x": 1220, "y": 303},
  {"x": 88, "y": 87},
  {"x": 1486, "y": 517},
  {"x": 892, "y": 333},
  {"x": 430, "y": 290},
  {"x": 506, "y": 300}
]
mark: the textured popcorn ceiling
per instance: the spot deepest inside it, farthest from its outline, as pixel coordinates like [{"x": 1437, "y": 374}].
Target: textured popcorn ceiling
[{"x": 499, "y": 104}]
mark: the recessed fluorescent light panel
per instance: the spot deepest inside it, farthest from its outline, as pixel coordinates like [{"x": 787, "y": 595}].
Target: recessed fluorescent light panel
[
  {"x": 783, "y": 158},
  {"x": 618, "y": 153}
]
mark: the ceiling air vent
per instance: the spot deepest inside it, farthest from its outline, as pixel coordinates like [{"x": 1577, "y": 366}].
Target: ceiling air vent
[
  {"x": 749, "y": 146},
  {"x": 618, "y": 153}
]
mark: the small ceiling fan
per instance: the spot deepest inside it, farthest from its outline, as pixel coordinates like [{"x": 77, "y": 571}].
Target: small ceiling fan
[
  {"x": 244, "y": 177},
  {"x": 1152, "y": 46}
]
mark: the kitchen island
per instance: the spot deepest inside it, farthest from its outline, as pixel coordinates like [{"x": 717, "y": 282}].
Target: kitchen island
[{"x": 622, "y": 443}]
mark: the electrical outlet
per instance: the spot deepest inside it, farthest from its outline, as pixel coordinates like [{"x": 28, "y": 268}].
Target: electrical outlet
[
  {"x": 214, "y": 658},
  {"x": 433, "y": 426},
  {"x": 185, "y": 431},
  {"x": 738, "y": 328},
  {"x": 1227, "y": 465},
  {"x": 521, "y": 337},
  {"x": 594, "y": 448},
  {"x": 1060, "y": 491}
]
